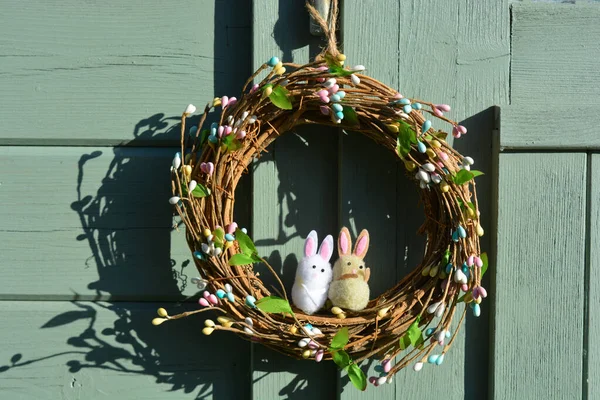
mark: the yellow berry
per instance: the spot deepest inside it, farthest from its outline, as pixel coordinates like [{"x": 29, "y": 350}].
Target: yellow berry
[
  {"x": 277, "y": 66},
  {"x": 434, "y": 271},
  {"x": 187, "y": 169},
  {"x": 207, "y": 331},
  {"x": 431, "y": 153},
  {"x": 393, "y": 128},
  {"x": 216, "y": 102},
  {"x": 209, "y": 323},
  {"x": 158, "y": 321},
  {"x": 162, "y": 312},
  {"x": 436, "y": 143},
  {"x": 224, "y": 321},
  {"x": 341, "y": 57},
  {"x": 383, "y": 312},
  {"x": 410, "y": 165},
  {"x": 206, "y": 232},
  {"x": 336, "y": 310},
  {"x": 294, "y": 329},
  {"x": 479, "y": 230},
  {"x": 445, "y": 187},
  {"x": 306, "y": 354},
  {"x": 470, "y": 212},
  {"x": 426, "y": 270},
  {"x": 341, "y": 316},
  {"x": 268, "y": 90}
]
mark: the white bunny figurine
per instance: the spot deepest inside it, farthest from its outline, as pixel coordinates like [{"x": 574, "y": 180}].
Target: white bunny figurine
[{"x": 313, "y": 275}]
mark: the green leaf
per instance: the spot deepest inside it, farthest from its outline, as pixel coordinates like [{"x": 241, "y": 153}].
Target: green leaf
[
  {"x": 484, "y": 267},
  {"x": 404, "y": 342},
  {"x": 241, "y": 259},
  {"x": 339, "y": 71},
  {"x": 407, "y": 130},
  {"x": 406, "y": 136},
  {"x": 274, "y": 305},
  {"x": 246, "y": 244},
  {"x": 461, "y": 298},
  {"x": 232, "y": 143},
  {"x": 350, "y": 115},
  {"x": 357, "y": 377},
  {"x": 413, "y": 332},
  {"x": 203, "y": 136},
  {"x": 441, "y": 135},
  {"x": 340, "y": 339},
  {"x": 419, "y": 343},
  {"x": 219, "y": 237},
  {"x": 281, "y": 98},
  {"x": 463, "y": 176},
  {"x": 446, "y": 258},
  {"x": 341, "y": 359},
  {"x": 201, "y": 191}
]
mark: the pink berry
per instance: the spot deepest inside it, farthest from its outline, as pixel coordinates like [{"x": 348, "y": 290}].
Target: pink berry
[
  {"x": 324, "y": 110},
  {"x": 203, "y": 302},
  {"x": 438, "y": 113},
  {"x": 442, "y": 107},
  {"x": 461, "y": 129},
  {"x": 224, "y": 101},
  {"x": 334, "y": 89},
  {"x": 254, "y": 88},
  {"x": 240, "y": 135}
]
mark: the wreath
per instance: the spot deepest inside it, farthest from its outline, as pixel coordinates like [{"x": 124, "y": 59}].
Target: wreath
[{"x": 409, "y": 323}]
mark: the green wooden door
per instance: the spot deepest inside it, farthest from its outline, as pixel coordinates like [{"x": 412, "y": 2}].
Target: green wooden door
[{"x": 90, "y": 97}]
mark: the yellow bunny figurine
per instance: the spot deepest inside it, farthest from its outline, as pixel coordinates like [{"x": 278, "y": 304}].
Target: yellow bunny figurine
[{"x": 349, "y": 288}]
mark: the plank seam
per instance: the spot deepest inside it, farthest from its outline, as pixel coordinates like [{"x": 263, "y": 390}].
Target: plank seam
[{"x": 586, "y": 279}]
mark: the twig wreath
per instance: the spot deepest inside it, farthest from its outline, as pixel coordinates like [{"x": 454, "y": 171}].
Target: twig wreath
[{"x": 411, "y": 322}]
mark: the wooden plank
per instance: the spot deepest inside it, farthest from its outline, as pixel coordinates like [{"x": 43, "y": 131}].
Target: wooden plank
[
  {"x": 368, "y": 186},
  {"x": 447, "y": 52},
  {"x": 592, "y": 380},
  {"x": 89, "y": 224},
  {"x": 294, "y": 192},
  {"x": 85, "y": 73},
  {"x": 539, "y": 276},
  {"x": 555, "y": 54},
  {"x": 535, "y": 126},
  {"x": 85, "y": 350}
]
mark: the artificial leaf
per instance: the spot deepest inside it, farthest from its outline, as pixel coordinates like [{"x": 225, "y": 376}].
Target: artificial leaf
[
  {"x": 413, "y": 332},
  {"x": 484, "y": 259},
  {"x": 274, "y": 304},
  {"x": 404, "y": 342},
  {"x": 256, "y": 258},
  {"x": 246, "y": 244},
  {"x": 341, "y": 358},
  {"x": 219, "y": 237},
  {"x": 201, "y": 191},
  {"x": 463, "y": 176},
  {"x": 461, "y": 298},
  {"x": 419, "y": 343},
  {"x": 231, "y": 143},
  {"x": 476, "y": 173},
  {"x": 357, "y": 377},
  {"x": 350, "y": 115},
  {"x": 281, "y": 98},
  {"x": 441, "y": 135},
  {"x": 407, "y": 130},
  {"x": 241, "y": 259},
  {"x": 203, "y": 136},
  {"x": 339, "y": 71},
  {"x": 340, "y": 339},
  {"x": 402, "y": 146}
]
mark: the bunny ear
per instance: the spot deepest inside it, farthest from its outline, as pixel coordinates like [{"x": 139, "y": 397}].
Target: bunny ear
[
  {"x": 344, "y": 242},
  {"x": 326, "y": 249},
  {"x": 310, "y": 244},
  {"x": 362, "y": 244}
]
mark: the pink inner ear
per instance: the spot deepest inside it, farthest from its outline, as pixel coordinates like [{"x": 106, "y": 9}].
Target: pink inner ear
[
  {"x": 310, "y": 247},
  {"x": 325, "y": 251},
  {"x": 343, "y": 243},
  {"x": 361, "y": 246}
]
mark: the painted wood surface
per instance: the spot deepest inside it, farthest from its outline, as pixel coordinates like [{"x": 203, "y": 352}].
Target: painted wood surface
[
  {"x": 294, "y": 192},
  {"x": 538, "y": 351},
  {"x": 97, "y": 350},
  {"x": 85, "y": 73},
  {"x": 96, "y": 216},
  {"x": 592, "y": 284},
  {"x": 555, "y": 54}
]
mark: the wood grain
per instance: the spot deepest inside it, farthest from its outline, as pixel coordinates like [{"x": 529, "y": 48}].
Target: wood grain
[
  {"x": 97, "y": 350},
  {"x": 593, "y": 317},
  {"x": 89, "y": 224},
  {"x": 555, "y": 54},
  {"x": 539, "y": 276},
  {"x": 294, "y": 192},
  {"x": 533, "y": 126},
  {"x": 85, "y": 73}
]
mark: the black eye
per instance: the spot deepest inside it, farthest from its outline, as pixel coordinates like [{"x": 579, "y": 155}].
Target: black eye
[
  {"x": 361, "y": 267},
  {"x": 349, "y": 263},
  {"x": 323, "y": 270},
  {"x": 314, "y": 266}
]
